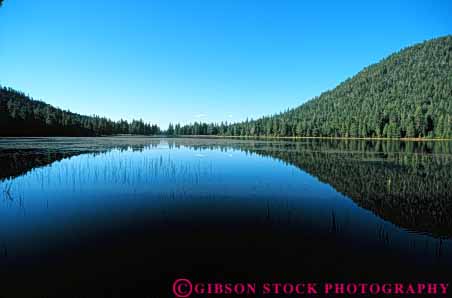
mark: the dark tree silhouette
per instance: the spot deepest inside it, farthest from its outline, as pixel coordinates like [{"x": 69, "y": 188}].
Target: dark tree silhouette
[{"x": 23, "y": 116}]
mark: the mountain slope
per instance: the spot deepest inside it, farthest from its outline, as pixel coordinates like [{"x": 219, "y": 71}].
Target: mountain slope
[
  {"x": 408, "y": 94},
  {"x": 23, "y": 116}
]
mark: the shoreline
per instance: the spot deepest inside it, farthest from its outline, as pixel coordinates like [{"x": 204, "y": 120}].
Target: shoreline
[
  {"x": 305, "y": 138},
  {"x": 237, "y": 137}
]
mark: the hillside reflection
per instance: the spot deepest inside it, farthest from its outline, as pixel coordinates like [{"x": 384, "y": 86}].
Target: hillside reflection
[{"x": 406, "y": 183}]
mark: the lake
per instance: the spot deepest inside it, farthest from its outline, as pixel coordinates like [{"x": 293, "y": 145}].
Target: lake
[{"x": 129, "y": 215}]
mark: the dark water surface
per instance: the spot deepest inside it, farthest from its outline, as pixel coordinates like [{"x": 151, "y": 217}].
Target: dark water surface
[{"x": 94, "y": 217}]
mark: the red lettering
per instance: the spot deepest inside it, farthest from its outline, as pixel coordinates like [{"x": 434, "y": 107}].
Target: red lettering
[
  {"x": 227, "y": 289},
  {"x": 351, "y": 289},
  {"x": 420, "y": 288},
  {"x": 288, "y": 289},
  {"x": 398, "y": 289},
  {"x": 312, "y": 289},
  {"x": 218, "y": 288},
  {"x": 299, "y": 288},
  {"x": 339, "y": 289},
  {"x": 199, "y": 288},
  {"x": 387, "y": 289},
  {"x": 328, "y": 288},
  {"x": 374, "y": 289},
  {"x": 266, "y": 288},
  {"x": 431, "y": 288},
  {"x": 444, "y": 288}
]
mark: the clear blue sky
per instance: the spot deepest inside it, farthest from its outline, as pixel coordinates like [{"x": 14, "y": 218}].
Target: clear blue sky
[{"x": 200, "y": 60}]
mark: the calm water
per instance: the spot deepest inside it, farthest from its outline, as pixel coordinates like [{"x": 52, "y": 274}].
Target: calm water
[{"x": 136, "y": 213}]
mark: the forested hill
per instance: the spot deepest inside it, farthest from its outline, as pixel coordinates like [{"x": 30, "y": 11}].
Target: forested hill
[
  {"x": 23, "y": 116},
  {"x": 408, "y": 94}
]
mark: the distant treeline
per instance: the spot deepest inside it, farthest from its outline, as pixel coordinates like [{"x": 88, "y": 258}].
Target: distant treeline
[
  {"x": 407, "y": 95},
  {"x": 22, "y": 116}
]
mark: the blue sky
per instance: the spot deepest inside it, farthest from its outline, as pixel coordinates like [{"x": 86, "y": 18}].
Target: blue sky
[{"x": 197, "y": 60}]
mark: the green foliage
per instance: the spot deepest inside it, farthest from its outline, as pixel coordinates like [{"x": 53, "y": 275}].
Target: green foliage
[
  {"x": 23, "y": 116},
  {"x": 408, "y": 94}
]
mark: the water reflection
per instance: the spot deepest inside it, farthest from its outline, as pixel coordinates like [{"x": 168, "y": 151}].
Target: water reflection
[
  {"x": 305, "y": 202},
  {"x": 407, "y": 183}
]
